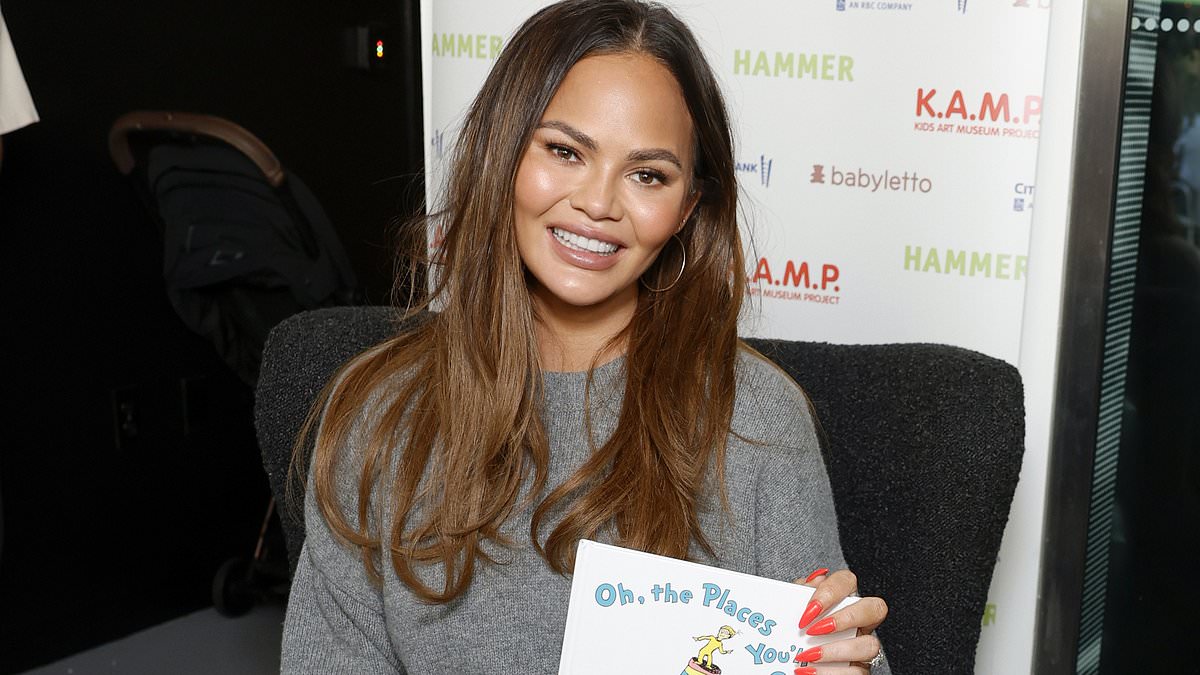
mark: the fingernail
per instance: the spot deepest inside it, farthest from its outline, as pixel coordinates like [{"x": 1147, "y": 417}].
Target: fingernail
[
  {"x": 809, "y": 655},
  {"x": 823, "y": 627},
  {"x": 807, "y": 670},
  {"x": 814, "y": 608},
  {"x": 817, "y": 573}
]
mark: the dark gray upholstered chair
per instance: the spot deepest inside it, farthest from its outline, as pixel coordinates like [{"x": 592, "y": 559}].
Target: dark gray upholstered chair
[{"x": 923, "y": 444}]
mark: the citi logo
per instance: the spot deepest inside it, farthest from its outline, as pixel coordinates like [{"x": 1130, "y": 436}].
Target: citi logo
[
  {"x": 1024, "y": 199},
  {"x": 886, "y": 181},
  {"x": 987, "y": 107},
  {"x": 760, "y": 168}
]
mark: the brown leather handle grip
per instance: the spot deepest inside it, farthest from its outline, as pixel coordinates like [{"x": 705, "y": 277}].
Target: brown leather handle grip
[{"x": 205, "y": 125}]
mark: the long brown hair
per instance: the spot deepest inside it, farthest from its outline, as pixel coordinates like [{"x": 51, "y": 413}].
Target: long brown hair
[{"x": 456, "y": 430}]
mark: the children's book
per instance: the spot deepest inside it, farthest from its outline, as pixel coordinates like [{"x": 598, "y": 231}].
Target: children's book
[{"x": 634, "y": 612}]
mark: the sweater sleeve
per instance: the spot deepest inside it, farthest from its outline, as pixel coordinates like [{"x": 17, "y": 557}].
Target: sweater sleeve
[
  {"x": 331, "y": 630},
  {"x": 795, "y": 522},
  {"x": 335, "y": 621},
  {"x": 335, "y": 616}
]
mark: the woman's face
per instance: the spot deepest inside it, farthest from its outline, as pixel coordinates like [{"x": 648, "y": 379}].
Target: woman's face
[{"x": 604, "y": 183}]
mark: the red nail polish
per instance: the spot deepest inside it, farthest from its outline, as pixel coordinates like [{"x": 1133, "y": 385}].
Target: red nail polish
[
  {"x": 817, "y": 573},
  {"x": 823, "y": 627},
  {"x": 814, "y": 608},
  {"x": 809, "y": 655},
  {"x": 807, "y": 670}
]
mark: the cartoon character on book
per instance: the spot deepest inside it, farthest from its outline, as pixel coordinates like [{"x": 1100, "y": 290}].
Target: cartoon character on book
[{"x": 703, "y": 664}]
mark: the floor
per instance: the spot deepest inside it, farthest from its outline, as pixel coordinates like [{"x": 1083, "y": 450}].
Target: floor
[{"x": 201, "y": 643}]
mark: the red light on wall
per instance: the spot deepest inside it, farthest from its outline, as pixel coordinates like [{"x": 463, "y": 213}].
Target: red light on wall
[{"x": 379, "y": 49}]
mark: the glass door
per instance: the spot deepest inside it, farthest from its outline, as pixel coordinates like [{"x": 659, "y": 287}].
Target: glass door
[{"x": 1140, "y": 592}]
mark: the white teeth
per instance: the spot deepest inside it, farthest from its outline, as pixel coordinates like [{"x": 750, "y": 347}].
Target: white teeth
[{"x": 575, "y": 241}]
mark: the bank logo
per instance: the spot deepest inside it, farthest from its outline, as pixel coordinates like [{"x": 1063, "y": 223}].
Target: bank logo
[
  {"x": 467, "y": 46},
  {"x": 871, "y": 181},
  {"x": 793, "y": 65},
  {"x": 798, "y": 280},
  {"x": 759, "y": 168},
  {"x": 982, "y": 264},
  {"x": 1023, "y": 201},
  {"x": 874, "y": 5},
  {"x": 977, "y": 114}
]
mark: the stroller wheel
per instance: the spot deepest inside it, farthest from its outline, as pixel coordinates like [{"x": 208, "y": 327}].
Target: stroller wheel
[{"x": 233, "y": 593}]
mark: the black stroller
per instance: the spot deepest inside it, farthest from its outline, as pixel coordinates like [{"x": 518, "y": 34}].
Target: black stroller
[{"x": 245, "y": 245}]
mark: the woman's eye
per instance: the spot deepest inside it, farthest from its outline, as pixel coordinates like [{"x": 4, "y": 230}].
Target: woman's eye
[
  {"x": 648, "y": 177},
  {"x": 563, "y": 153}
]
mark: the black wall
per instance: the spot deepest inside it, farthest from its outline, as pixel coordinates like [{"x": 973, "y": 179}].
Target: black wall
[{"x": 101, "y": 540}]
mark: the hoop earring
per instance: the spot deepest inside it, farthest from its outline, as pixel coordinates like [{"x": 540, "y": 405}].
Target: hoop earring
[{"x": 683, "y": 266}]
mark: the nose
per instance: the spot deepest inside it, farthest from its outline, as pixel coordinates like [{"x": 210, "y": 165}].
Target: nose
[{"x": 598, "y": 195}]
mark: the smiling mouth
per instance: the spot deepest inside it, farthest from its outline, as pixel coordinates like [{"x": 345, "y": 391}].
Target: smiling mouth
[{"x": 580, "y": 243}]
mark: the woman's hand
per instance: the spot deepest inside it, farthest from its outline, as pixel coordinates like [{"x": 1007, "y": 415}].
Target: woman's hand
[{"x": 865, "y": 615}]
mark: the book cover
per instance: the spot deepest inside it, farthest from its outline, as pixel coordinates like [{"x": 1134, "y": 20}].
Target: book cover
[{"x": 635, "y": 612}]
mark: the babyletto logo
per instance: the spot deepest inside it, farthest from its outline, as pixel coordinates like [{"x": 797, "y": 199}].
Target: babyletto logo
[
  {"x": 886, "y": 181},
  {"x": 760, "y": 168},
  {"x": 794, "y": 65},
  {"x": 986, "y": 114},
  {"x": 797, "y": 280},
  {"x": 467, "y": 46},
  {"x": 984, "y": 264},
  {"x": 1023, "y": 201},
  {"x": 873, "y": 5}
]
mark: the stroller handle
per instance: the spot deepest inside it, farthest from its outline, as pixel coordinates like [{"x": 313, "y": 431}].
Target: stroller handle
[{"x": 191, "y": 123}]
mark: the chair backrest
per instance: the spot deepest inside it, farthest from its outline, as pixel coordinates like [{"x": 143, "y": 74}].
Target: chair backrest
[{"x": 923, "y": 444}]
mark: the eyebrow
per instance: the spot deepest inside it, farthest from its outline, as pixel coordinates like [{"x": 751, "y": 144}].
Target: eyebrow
[
  {"x": 655, "y": 154},
  {"x": 648, "y": 155}
]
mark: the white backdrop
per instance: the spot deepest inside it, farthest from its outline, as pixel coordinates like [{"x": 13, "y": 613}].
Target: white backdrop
[{"x": 887, "y": 151}]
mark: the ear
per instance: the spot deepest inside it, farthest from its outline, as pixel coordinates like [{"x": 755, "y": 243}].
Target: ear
[{"x": 692, "y": 201}]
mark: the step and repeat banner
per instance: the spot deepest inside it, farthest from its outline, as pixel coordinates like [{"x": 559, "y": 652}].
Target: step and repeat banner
[{"x": 886, "y": 151}]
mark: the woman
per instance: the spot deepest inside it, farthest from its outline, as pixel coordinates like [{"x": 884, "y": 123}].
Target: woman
[{"x": 581, "y": 379}]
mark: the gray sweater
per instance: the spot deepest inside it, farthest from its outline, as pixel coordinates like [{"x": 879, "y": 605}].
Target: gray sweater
[{"x": 511, "y": 618}]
